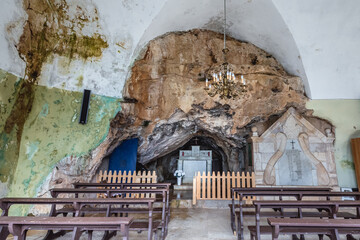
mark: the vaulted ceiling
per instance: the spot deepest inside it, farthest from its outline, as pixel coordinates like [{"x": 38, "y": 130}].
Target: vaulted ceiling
[{"x": 317, "y": 40}]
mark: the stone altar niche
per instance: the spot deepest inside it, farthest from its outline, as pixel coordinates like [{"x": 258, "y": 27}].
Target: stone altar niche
[
  {"x": 292, "y": 152},
  {"x": 194, "y": 161}
]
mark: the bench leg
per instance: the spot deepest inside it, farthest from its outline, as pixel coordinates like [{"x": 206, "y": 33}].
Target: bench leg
[
  {"x": 350, "y": 237},
  {"x": 335, "y": 234},
  {"x": 17, "y": 232},
  {"x": 321, "y": 236},
  {"x": 76, "y": 233},
  {"x": 252, "y": 236},
  {"x": 4, "y": 232},
  {"x": 90, "y": 232},
  {"x": 294, "y": 237},
  {"x": 156, "y": 234},
  {"x": 275, "y": 232},
  {"x": 232, "y": 221}
]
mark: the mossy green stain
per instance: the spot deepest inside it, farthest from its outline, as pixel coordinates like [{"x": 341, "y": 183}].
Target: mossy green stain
[{"x": 55, "y": 143}]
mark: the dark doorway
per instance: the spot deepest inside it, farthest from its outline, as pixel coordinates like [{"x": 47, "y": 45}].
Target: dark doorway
[
  {"x": 123, "y": 158},
  {"x": 166, "y": 166}
]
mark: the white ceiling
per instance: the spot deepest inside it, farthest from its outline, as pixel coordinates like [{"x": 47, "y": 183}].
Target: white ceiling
[{"x": 318, "y": 40}]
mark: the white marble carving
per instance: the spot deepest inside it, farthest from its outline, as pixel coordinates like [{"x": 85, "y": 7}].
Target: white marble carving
[{"x": 292, "y": 152}]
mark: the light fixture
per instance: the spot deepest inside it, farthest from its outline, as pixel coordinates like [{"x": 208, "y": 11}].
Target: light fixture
[{"x": 223, "y": 81}]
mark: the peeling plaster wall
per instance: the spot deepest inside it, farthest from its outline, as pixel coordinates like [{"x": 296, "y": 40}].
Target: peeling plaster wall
[
  {"x": 9, "y": 87},
  {"x": 345, "y": 116},
  {"x": 51, "y": 133}
]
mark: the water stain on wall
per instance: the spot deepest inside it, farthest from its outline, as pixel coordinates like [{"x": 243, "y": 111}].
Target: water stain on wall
[
  {"x": 51, "y": 29},
  {"x": 347, "y": 164}
]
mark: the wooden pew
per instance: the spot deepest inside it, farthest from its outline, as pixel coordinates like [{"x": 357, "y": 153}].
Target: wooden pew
[
  {"x": 234, "y": 191},
  {"x": 298, "y": 195},
  {"x": 332, "y": 208},
  {"x": 18, "y": 226},
  {"x": 332, "y": 227},
  {"x": 131, "y": 186},
  {"x": 78, "y": 207},
  {"x": 122, "y": 185},
  {"x": 115, "y": 192}
]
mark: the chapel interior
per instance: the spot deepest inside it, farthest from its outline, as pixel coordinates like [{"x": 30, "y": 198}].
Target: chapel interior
[{"x": 197, "y": 94}]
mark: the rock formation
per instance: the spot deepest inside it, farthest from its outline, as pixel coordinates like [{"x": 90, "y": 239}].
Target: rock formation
[
  {"x": 167, "y": 101},
  {"x": 165, "y": 104}
]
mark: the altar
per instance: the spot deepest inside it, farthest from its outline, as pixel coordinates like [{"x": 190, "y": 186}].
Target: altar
[{"x": 193, "y": 161}]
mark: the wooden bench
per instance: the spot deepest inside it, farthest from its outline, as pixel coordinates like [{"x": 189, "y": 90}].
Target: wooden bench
[
  {"x": 234, "y": 191},
  {"x": 77, "y": 206},
  {"x": 164, "y": 210},
  {"x": 298, "y": 195},
  {"x": 331, "y": 227},
  {"x": 331, "y": 207},
  {"x": 18, "y": 226}
]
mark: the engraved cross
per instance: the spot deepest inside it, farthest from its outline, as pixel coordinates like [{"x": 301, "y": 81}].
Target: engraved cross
[{"x": 292, "y": 143}]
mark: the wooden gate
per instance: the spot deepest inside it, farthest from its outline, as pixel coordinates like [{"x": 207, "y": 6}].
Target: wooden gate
[
  {"x": 218, "y": 186},
  {"x": 130, "y": 177}
]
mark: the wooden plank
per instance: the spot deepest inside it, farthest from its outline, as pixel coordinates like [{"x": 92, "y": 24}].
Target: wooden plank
[
  {"x": 203, "y": 190},
  {"x": 208, "y": 187},
  {"x": 143, "y": 180},
  {"x": 148, "y": 180},
  {"x": 218, "y": 189},
  {"x": 109, "y": 177},
  {"x": 194, "y": 191},
  {"x": 233, "y": 181},
  {"x": 228, "y": 195},
  {"x": 238, "y": 180},
  {"x": 135, "y": 179},
  {"x": 198, "y": 189},
  {"x": 223, "y": 185},
  {"x": 355, "y": 147},
  {"x": 213, "y": 187}
]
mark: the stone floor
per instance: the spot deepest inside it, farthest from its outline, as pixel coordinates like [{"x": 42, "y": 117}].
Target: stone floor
[{"x": 188, "y": 224}]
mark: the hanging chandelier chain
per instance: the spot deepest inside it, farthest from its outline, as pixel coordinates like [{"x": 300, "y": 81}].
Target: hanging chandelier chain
[
  {"x": 223, "y": 81},
  {"x": 224, "y": 24}
]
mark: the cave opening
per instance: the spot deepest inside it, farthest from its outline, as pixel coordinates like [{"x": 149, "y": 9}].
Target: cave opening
[{"x": 166, "y": 165}]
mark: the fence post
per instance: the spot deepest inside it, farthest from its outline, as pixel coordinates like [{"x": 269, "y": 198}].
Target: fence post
[
  {"x": 194, "y": 190},
  {"x": 218, "y": 182}
]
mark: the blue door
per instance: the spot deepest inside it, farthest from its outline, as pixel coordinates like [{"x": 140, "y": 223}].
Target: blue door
[{"x": 124, "y": 156}]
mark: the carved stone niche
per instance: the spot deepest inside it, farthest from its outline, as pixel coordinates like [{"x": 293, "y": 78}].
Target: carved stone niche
[{"x": 292, "y": 152}]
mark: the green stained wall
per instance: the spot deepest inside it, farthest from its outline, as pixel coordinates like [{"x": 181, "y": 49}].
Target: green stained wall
[
  {"x": 345, "y": 116},
  {"x": 9, "y": 87},
  {"x": 51, "y": 132}
]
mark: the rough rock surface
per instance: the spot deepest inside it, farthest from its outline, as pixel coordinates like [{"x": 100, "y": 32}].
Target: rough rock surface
[
  {"x": 166, "y": 104},
  {"x": 168, "y": 100}
]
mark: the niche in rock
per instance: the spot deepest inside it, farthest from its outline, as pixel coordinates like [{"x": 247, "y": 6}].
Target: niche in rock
[{"x": 166, "y": 166}]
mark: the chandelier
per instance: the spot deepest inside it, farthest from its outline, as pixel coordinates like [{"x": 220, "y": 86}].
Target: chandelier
[{"x": 222, "y": 80}]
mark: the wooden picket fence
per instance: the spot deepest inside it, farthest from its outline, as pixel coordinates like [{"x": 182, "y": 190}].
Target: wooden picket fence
[
  {"x": 218, "y": 186},
  {"x": 128, "y": 177}
]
